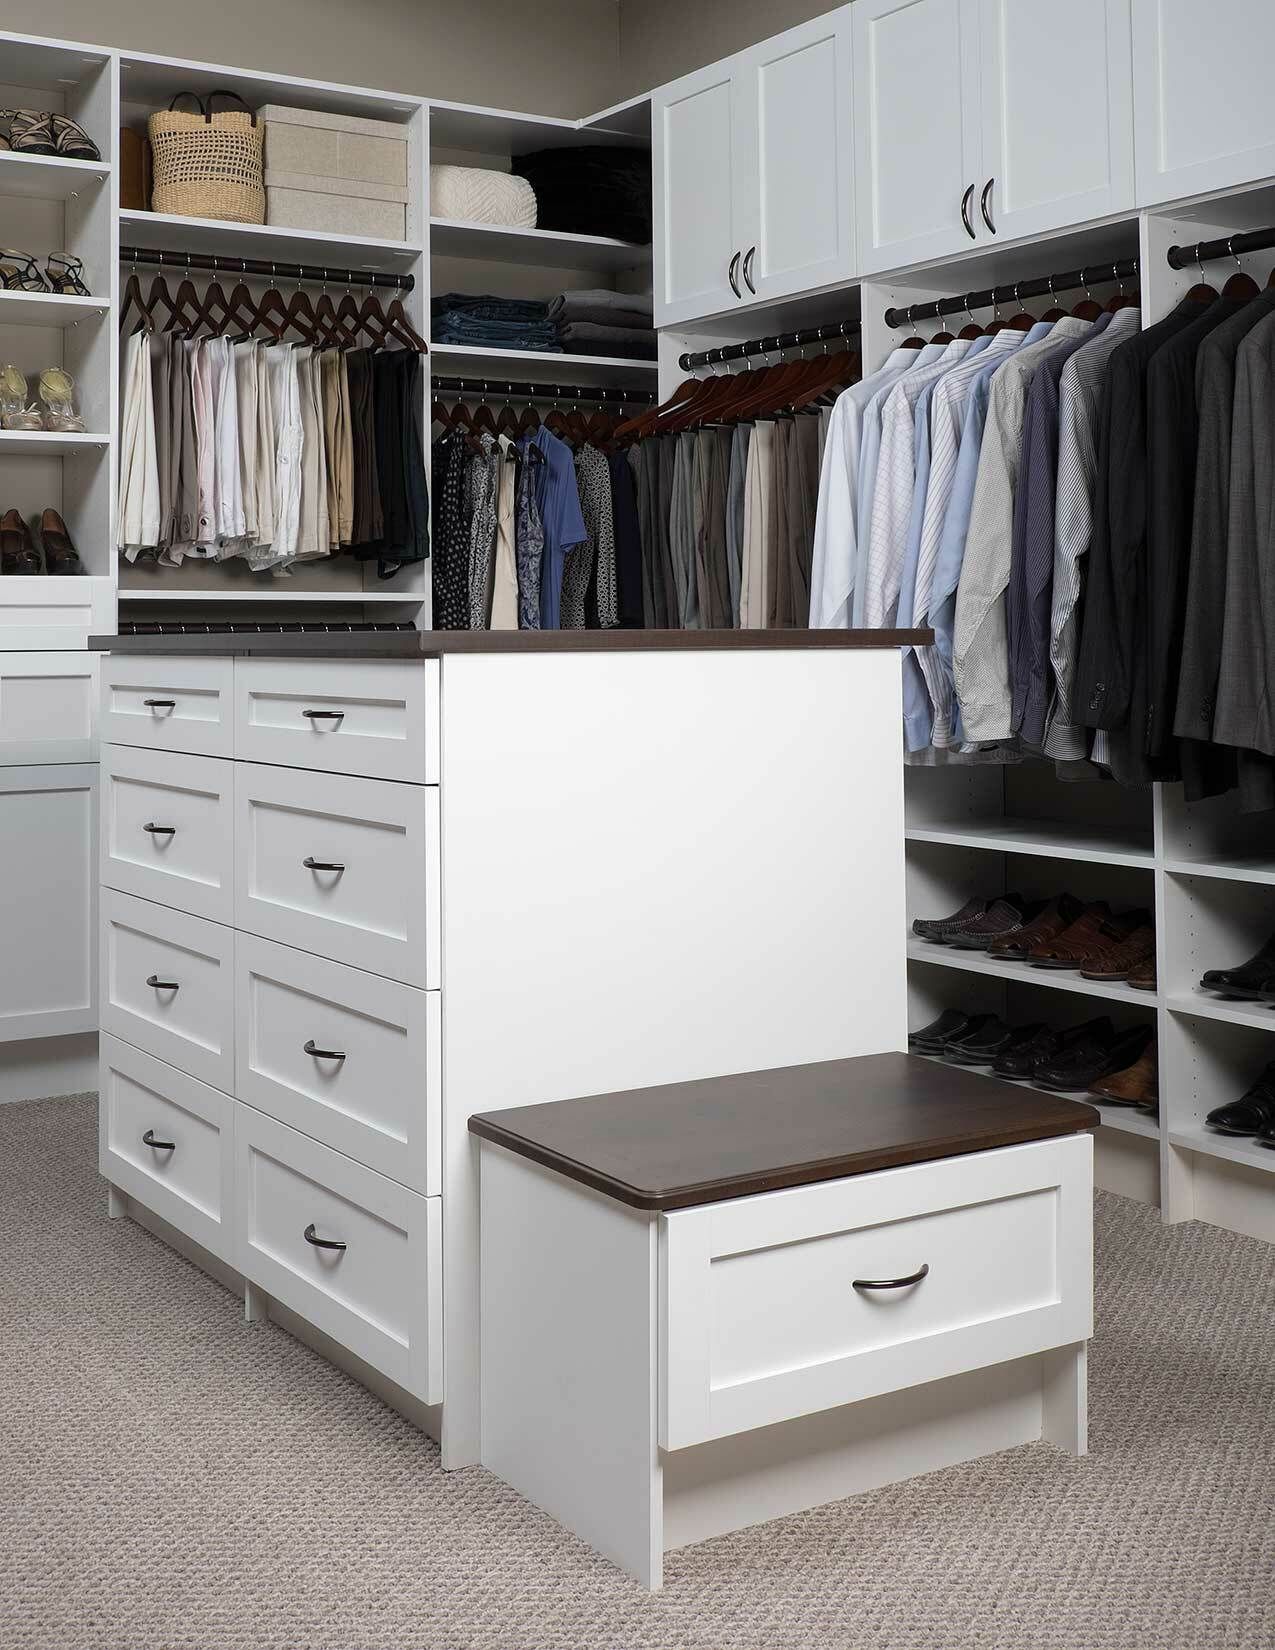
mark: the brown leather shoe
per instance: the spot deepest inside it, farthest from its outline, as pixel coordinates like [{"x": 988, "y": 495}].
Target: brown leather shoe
[
  {"x": 1117, "y": 962},
  {"x": 1070, "y": 948},
  {"x": 1143, "y": 977},
  {"x": 60, "y": 555},
  {"x": 1136, "y": 1085},
  {"x": 18, "y": 554},
  {"x": 1057, "y": 916}
]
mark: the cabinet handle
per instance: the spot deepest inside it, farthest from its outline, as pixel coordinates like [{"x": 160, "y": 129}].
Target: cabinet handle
[
  {"x": 321, "y": 864},
  {"x": 967, "y": 200},
  {"x": 892, "y": 1283},
  {"x": 748, "y": 269},
  {"x": 325, "y": 715},
  {"x": 322, "y": 1053},
  {"x": 160, "y": 704},
  {"x": 148, "y": 1139},
  {"x": 731, "y": 272},
  {"x": 161, "y": 830},
  {"x": 321, "y": 1243},
  {"x": 157, "y": 984},
  {"x": 982, "y": 205}
]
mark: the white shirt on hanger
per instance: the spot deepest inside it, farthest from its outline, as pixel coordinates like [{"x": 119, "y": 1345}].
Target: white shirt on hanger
[{"x": 139, "y": 453}]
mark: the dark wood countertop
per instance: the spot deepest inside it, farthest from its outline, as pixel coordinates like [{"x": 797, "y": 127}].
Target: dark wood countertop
[
  {"x": 435, "y": 644},
  {"x": 689, "y": 1143}
]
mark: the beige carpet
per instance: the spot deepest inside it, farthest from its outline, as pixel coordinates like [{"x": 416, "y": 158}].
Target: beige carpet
[{"x": 169, "y": 1478}]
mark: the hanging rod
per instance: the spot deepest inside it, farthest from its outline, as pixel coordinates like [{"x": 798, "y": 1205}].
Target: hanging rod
[
  {"x": 768, "y": 346},
  {"x": 1229, "y": 246},
  {"x": 1041, "y": 286},
  {"x": 538, "y": 392},
  {"x": 213, "y": 262}
]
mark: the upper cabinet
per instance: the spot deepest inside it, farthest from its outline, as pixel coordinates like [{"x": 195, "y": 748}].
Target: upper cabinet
[
  {"x": 986, "y": 120},
  {"x": 753, "y": 169},
  {"x": 1206, "y": 116}
]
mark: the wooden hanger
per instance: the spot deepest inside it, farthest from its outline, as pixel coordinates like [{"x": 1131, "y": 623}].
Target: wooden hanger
[
  {"x": 1201, "y": 292},
  {"x": 971, "y": 329},
  {"x": 1122, "y": 299},
  {"x": 1022, "y": 322},
  {"x": 507, "y": 418},
  {"x": 1088, "y": 309},
  {"x": 1057, "y": 313},
  {"x": 1241, "y": 285},
  {"x": 179, "y": 318},
  {"x": 915, "y": 341},
  {"x": 133, "y": 299}
]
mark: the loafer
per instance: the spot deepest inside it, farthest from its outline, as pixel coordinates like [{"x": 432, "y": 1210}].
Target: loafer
[
  {"x": 1021, "y": 1062},
  {"x": 18, "y": 554},
  {"x": 1253, "y": 1113},
  {"x": 1085, "y": 945},
  {"x": 974, "y": 1024},
  {"x": 985, "y": 1047},
  {"x": 1097, "y": 1052},
  {"x": 950, "y": 1023},
  {"x": 1119, "y": 960},
  {"x": 1136, "y": 1085},
  {"x": 1143, "y": 977},
  {"x": 935, "y": 928},
  {"x": 1068, "y": 949},
  {"x": 1003, "y": 917},
  {"x": 1249, "y": 981},
  {"x": 1057, "y": 916}
]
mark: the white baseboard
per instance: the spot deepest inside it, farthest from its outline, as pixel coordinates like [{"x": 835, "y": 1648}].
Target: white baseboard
[{"x": 38, "y": 1067}]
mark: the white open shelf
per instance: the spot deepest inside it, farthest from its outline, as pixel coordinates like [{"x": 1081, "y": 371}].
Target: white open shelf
[
  {"x": 49, "y": 177},
  {"x": 546, "y": 248},
  {"x": 1210, "y": 1007},
  {"x": 1235, "y": 1148},
  {"x": 261, "y": 240},
  {"x": 976, "y": 962},
  {"x": 1125, "y": 1119},
  {"x": 49, "y": 443},
  {"x": 1046, "y": 838},
  {"x": 549, "y": 366},
  {"x": 1240, "y": 868},
  {"x": 48, "y": 309}
]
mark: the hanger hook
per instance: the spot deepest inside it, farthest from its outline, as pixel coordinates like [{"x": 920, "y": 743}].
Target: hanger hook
[
  {"x": 1052, "y": 294},
  {"x": 1199, "y": 262},
  {"x": 1118, "y": 278},
  {"x": 1230, "y": 248}
]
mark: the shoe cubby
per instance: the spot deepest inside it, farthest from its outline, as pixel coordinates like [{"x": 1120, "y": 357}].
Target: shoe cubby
[
  {"x": 1217, "y": 838},
  {"x": 1213, "y": 922}
]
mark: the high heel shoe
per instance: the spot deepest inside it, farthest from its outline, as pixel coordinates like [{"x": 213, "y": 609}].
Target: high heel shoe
[
  {"x": 57, "y": 392},
  {"x": 15, "y": 414},
  {"x": 18, "y": 554},
  {"x": 60, "y": 555},
  {"x": 64, "y": 273},
  {"x": 19, "y": 272}
]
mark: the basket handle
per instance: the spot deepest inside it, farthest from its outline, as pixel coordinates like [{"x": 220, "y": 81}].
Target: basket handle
[
  {"x": 221, "y": 91},
  {"x": 199, "y": 100}
]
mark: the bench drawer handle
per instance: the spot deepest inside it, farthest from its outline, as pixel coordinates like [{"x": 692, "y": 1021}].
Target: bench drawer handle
[
  {"x": 312, "y": 864},
  {"x": 325, "y": 715},
  {"x": 160, "y": 704},
  {"x": 321, "y": 1243},
  {"x": 322, "y": 1053},
  {"x": 892, "y": 1283},
  {"x": 161, "y": 830},
  {"x": 157, "y": 984},
  {"x": 148, "y": 1139}
]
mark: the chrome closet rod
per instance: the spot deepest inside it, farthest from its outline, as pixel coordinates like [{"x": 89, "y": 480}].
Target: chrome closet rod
[
  {"x": 1228, "y": 246},
  {"x": 768, "y": 346},
  {"x": 213, "y": 263},
  {"x": 538, "y": 392},
  {"x": 1040, "y": 286}
]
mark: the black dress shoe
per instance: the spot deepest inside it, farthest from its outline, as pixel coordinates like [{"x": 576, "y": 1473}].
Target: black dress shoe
[
  {"x": 1044, "y": 1047},
  {"x": 1253, "y": 1113},
  {"x": 1250, "y": 981},
  {"x": 950, "y": 1023},
  {"x": 975, "y": 1024},
  {"x": 983, "y": 1048},
  {"x": 1002, "y": 918},
  {"x": 938, "y": 928},
  {"x": 1091, "y": 1059}
]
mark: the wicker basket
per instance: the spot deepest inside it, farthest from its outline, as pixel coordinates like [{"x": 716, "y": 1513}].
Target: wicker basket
[{"x": 208, "y": 165}]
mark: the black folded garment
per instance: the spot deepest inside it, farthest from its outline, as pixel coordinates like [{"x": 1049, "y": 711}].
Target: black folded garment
[
  {"x": 588, "y": 338},
  {"x": 595, "y": 190}
]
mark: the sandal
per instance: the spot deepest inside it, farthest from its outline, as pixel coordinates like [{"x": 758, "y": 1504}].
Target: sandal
[
  {"x": 18, "y": 554},
  {"x": 63, "y": 272},
  {"x": 57, "y": 391},
  {"x": 19, "y": 272},
  {"x": 60, "y": 555},
  {"x": 30, "y": 133},
  {"x": 73, "y": 142},
  {"x": 15, "y": 414}
]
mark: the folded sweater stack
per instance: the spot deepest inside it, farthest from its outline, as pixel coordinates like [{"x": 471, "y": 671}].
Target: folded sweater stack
[
  {"x": 594, "y": 190},
  {"x": 601, "y": 322},
  {"x": 481, "y": 321}
]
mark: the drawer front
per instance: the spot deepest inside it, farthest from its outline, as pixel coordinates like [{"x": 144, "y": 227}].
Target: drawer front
[
  {"x": 377, "y": 719},
  {"x": 167, "y": 985},
  {"x": 348, "y": 1058},
  {"x": 168, "y": 1140},
  {"x": 344, "y": 867},
  {"x": 764, "y": 1322},
  {"x": 168, "y": 704},
  {"x": 48, "y": 707},
  {"x": 167, "y": 829},
  {"x": 381, "y": 1295}
]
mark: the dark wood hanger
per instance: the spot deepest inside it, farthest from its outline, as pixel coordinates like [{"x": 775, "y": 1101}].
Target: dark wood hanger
[
  {"x": 133, "y": 299},
  {"x": 529, "y": 420},
  {"x": 1057, "y": 313},
  {"x": 1088, "y": 309},
  {"x": 507, "y": 422},
  {"x": 181, "y": 317},
  {"x": 1241, "y": 285}
]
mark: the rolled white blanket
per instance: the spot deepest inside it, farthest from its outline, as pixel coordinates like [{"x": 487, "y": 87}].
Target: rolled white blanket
[{"x": 474, "y": 194}]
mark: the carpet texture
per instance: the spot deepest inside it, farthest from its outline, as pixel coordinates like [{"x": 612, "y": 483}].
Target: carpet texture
[{"x": 173, "y": 1480}]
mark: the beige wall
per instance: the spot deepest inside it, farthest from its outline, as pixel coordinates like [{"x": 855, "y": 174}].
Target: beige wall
[
  {"x": 661, "y": 39},
  {"x": 554, "y": 57}
]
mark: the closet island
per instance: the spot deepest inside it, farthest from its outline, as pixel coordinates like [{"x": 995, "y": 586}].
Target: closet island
[{"x": 357, "y": 887}]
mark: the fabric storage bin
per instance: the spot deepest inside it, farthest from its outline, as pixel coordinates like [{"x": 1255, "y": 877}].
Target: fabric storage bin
[
  {"x": 336, "y": 172},
  {"x": 297, "y": 200}
]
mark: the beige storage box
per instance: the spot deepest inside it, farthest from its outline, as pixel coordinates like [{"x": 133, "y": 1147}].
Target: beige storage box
[{"x": 335, "y": 172}]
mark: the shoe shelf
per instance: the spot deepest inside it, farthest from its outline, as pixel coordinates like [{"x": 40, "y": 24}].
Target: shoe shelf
[
  {"x": 1206, "y": 1006},
  {"x": 547, "y": 248},
  {"x": 1097, "y": 844},
  {"x": 1259, "y": 868},
  {"x": 1232, "y": 1148},
  {"x": 49, "y": 443},
  {"x": 49, "y": 177},
  {"x": 1058, "y": 979},
  {"x": 1124, "y": 1119},
  {"x": 48, "y": 309}
]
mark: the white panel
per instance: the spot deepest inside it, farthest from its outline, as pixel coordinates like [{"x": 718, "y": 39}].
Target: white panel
[
  {"x": 694, "y": 165},
  {"x": 374, "y": 1090},
  {"x": 186, "y": 1175},
  {"x": 168, "y": 704},
  {"x": 48, "y": 707},
  {"x": 187, "y": 859},
  {"x": 380, "y": 1295},
  {"x": 186, "y": 1016}
]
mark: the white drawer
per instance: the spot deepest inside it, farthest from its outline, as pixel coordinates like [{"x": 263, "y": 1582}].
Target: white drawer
[
  {"x": 763, "y": 1322},
  {"x": 348, "y": 868},
  {"x": 167, "y": 985},
  {"x": 168, "y": 704},
  {"x": 381, "y": 1295},
  {"x": 48, "y": 707},
  {"x": 167, "y": 829},
  {"x": 168, "y": 1140},
  {"x": 376, "y": 718},
  {"x": 349, "y": 1058}
]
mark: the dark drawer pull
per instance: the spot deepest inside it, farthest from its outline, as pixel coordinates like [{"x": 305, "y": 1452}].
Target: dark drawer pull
[
  {"x": 322, "y": 1053},
  {"x": 160, "y": 704},
  {"x": 312, "y": 864},
  {"x": 325, "y": 715},
  {"x": 321, "y": 1243},
  {"x": 162, "y": 985},
  {"x": 161, "y": 830},
  {"x": 892, "y": 1283},
  {"x": 148, "y": 1139}
]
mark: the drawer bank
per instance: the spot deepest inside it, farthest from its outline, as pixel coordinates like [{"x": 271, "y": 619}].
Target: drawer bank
[{"x": 724, "y": 1301}]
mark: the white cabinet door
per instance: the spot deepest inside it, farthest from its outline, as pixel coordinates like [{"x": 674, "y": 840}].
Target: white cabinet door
[
  {"x": 917, "y": 142},
  {"x": 48, "y": 707},
  {"x": 1057, "y": 98},
  {"x": 48, "y": 892},
  {"x": 1202, "y": 85},
  {"x": 697, "y": 252},
  {"x": 795, "y": 166}
]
